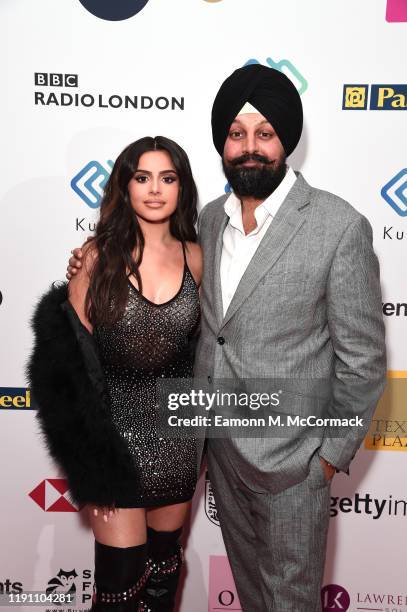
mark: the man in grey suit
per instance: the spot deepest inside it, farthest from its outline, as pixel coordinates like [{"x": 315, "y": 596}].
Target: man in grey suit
[{"x": 290, "y": 290}]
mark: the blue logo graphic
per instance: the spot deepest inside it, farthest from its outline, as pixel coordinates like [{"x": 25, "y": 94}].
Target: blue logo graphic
[
  {"x": 90, "y": 181},
  {"x": 114, "y": 10},
  {"x": 395, "y": 193},
  {"x": 287, "y": 68}
]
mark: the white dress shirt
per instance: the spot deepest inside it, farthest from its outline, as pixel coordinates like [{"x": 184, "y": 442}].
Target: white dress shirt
[{"x": 238, "y": 247}]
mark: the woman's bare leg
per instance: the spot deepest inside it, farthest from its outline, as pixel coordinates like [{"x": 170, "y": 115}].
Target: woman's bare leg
[
  {"x": 168, "y": 518},
  {"x": 126, "y": 527}
]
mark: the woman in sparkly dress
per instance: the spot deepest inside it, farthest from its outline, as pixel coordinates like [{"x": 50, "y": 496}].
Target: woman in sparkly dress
[{"x": 137, "y": 293}]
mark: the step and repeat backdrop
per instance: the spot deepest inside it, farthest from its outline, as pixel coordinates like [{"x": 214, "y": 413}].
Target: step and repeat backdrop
[{"x": 83, "y": 78}]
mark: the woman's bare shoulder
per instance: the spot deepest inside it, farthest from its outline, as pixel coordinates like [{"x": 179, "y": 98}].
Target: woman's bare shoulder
[{"x": 194, "y": 259}]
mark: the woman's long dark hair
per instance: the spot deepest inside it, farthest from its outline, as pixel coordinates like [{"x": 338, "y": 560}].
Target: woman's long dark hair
[{"x": 118, "y": 233}]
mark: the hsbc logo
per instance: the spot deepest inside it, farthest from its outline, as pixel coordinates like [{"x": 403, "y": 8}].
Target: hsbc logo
[{"x": 52, "y": 495}]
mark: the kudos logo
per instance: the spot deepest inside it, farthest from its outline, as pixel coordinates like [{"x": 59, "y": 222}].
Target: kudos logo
[
  {"x": 334, "y": 597},
  {"x": 90, "y": 181},
  {"x": 382, "y": 97},
  {"x": 114, "y": 11},
  {"x": 396, "y": 10},
  {"x": 50, "y": 495},
  {"x": 395, "y": 193},
  {"x": 287, "y": 68}
]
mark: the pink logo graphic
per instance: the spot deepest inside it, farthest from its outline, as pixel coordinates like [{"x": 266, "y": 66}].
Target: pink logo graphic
[
  {"x": 396, "y": 10},
  {"x": 222, "y": 590},
  {"x": 334, "y": 597}
]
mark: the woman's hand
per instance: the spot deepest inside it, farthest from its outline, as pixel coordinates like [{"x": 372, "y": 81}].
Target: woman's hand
[{"x": 106, "y": 511}]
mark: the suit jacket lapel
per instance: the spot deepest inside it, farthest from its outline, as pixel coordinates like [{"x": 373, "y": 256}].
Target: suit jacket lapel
[{"x": 283, "y": 228}]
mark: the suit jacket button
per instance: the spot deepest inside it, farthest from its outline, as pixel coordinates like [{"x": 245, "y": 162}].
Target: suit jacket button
[{"x": 221, "y": 340}]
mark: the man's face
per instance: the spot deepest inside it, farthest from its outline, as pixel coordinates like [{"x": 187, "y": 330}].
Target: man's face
[{"x": 253, "y": 157}]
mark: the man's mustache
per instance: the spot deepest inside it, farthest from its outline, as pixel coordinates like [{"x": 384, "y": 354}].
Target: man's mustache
[{"x": 249, "y": 157}]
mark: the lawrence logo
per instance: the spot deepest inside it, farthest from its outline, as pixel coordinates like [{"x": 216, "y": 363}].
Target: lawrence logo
[
  {"x": 355, "y": 97},
  {"x": 16, "y": 398},
  {"x": 388, "y": 97},
  {"x": 388, "y": 430},
  {"x": 395, "y": 193},
  {"x": 334, "y": 597},
  {"x": 90, "y": 181}
]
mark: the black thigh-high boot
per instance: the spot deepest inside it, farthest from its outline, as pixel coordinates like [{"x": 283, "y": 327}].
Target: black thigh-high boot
[
  {"x": 166, "y": 557},
  {"x": 120, "y": 576}
]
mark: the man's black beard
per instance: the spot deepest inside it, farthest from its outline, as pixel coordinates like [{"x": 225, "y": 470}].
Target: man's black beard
[{"x": 254, "y": 182}]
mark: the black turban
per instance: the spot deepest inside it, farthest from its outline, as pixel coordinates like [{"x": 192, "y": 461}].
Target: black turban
[{"x": 270, "y": 92}]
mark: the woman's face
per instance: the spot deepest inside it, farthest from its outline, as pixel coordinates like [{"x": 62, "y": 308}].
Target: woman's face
[{"x": 154, "y": 188}]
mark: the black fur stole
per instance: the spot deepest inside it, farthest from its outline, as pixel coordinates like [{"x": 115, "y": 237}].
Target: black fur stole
[{"x": 66, "y": 380}]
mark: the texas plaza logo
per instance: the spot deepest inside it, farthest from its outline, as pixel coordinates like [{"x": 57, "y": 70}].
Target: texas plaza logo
[{"x": 388, "y": 429}]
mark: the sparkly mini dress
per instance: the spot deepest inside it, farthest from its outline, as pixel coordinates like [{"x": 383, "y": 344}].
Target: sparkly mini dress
[{"x": 151, "y": 341}]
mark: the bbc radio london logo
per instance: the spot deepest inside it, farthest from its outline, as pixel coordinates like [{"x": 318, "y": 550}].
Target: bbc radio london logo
[
  {"x": 62, "y": 90},
  {"x": 374, "y": 97},
  {"x": 114, "y": 11}
]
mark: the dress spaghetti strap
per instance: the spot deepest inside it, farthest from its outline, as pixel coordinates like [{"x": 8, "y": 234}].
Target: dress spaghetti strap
[{"x": 185, "y": 257}]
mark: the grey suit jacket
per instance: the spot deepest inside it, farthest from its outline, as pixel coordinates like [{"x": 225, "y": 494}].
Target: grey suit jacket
[{"x": 309, "y": 307}]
